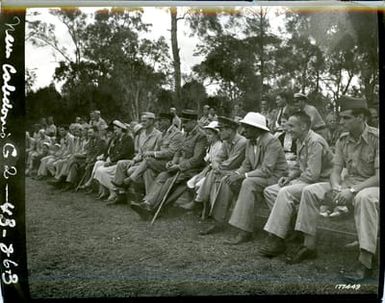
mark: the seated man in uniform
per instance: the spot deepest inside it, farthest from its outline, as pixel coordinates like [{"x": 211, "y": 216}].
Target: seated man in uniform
[
  {"x": 315, "y": 162},
  {"x": 264, "y": 164},
  {"x": 187, "y": 162},
  {"x": 300, "y": 103},
  {"x": 154, "y": 161},
  {"x": 357, "y": 150}
]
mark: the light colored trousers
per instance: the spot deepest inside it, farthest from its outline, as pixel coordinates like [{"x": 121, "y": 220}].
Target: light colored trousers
[
  {"x": 283, "y": 202},
  {"x": 47, "y": 166},
  {"x": 244, "y": 214},
  {"x": 144, "y": 171},
  {"x": 366, "y": 213}
]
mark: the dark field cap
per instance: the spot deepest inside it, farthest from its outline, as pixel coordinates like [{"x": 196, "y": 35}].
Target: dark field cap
[
  {"x": 227, "y": 122},
  {"x": 189, "y": 114},
  {"x": 300, "y": 96},
  {"x": 347, "y": 102}
]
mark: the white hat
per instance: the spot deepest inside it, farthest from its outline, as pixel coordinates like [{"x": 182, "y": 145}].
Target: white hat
[
  {"x": 256, "y": 120},
  {"x": 213, "y": 125},
  {"x": 119, "y": 124},
  {"x": 148, "y": 115},
  {"x": 137, "y": 128}
]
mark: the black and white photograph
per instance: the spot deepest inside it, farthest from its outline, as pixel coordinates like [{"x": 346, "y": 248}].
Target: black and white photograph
[{"x": 201, "y": 151}]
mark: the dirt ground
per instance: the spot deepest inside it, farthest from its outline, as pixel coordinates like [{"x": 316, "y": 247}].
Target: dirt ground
[{"x": 79, "y": 247}]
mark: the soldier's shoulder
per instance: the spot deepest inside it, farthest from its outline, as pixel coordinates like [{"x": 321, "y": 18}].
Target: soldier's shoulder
[{"x": 373, "y": 131}]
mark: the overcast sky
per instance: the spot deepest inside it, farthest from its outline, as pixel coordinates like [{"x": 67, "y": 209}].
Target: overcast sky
[{"x": 43, "y": 61}]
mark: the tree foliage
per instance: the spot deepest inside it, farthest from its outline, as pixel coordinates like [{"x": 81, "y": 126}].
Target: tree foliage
[{"x": 113, "y": 67}]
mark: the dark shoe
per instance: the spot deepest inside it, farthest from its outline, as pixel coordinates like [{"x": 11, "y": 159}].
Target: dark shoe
[
  {"x": 89, "y": 191},
  {"x": 126, "y": 182},
  {"x": 359, "y": 274},
  {"x": 141, "y": 210},
  {"x": 116, "y": 184},
  {"x": 188, "y": 206},
  {"x": 54, "y": 182},
  {"x": 295, "y": 237},
  {"x": 215, "y": 228},
  {"x": 102, "y": 196},
  {"x": 303, "y": 253},
  {"x": 67, "y": 187},
  {"x": 120, "y": 199},
  {"x": 273, "y": 247},
  {"x": 241, "y": 237}
]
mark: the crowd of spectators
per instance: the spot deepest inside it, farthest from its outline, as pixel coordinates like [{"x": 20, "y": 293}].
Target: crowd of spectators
[{"x": 302, "y": 165}]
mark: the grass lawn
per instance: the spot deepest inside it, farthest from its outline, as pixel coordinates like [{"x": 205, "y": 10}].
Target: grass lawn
[{"x": 78, "y": 247}]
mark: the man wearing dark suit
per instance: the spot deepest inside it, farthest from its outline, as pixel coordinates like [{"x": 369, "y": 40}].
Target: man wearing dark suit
[
  {"x": 187, "y": 161},
  {"x": 85, "y": 162},
  {"x": 264, "y": 164}
]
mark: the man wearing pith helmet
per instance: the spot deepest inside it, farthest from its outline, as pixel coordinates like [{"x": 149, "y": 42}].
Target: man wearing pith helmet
[
  {"x": 357, "y": 150},
  {"x": 263, "y": 165}
]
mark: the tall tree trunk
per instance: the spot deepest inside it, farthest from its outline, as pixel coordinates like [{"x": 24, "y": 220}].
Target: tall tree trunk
[
  {"x": 175, "y": 54},
  {"x": 261, "y": 53}
]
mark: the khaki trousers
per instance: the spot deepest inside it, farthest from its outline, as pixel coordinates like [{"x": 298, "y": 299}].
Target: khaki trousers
[
  {"x": 283, "y": 202},
  {"x": 244, "y": 214}
]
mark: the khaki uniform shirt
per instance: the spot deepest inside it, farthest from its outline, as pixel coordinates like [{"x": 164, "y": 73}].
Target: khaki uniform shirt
[
  {"x": 314, "y": 159},
  {"x": 361, "y": 158}
]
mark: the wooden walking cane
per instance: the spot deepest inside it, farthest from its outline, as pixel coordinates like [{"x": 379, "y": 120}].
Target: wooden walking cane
[
  {"x": 165, "y": 197},
  {"x": 81, "y": 181},
  {"x": 216, "y": 196}
]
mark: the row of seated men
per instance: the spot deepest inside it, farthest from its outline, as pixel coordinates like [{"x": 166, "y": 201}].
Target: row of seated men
[{"x": 229, "y": 173}]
